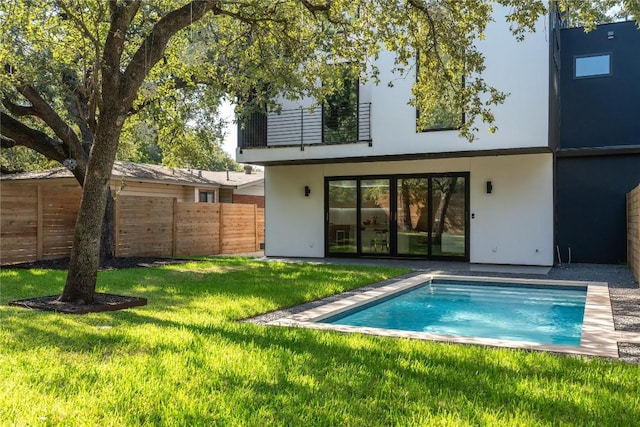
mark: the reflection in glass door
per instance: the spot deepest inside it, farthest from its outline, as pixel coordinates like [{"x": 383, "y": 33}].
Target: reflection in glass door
[
  {"x": 448, "y": 216},
  {"x": 412, "y": 218},
  {"x": 423, "y": 216},
  {"x": 375, "y": 206},
  {"x": 342, "y": 216}
]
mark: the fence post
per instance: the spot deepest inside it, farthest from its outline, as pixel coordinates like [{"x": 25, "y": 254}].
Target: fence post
[
  {"x": 116, "y": 225},
  {"x": 220, "y": 229},
  {"x": 255, "y": 227},
  {"x": 174, "y": 228},
  {"x": 39, "y": 225}
]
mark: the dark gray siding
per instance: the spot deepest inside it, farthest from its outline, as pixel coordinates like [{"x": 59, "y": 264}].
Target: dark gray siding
[
  {"x": 598, "y": 160},
  {"x": 591, "y": 207},
  {"x": 601, "y": 111}
]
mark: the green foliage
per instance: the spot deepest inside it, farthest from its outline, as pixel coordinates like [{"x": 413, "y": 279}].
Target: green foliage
[
  {"x": 578, "y": 13},
  {"x": 185, "y": 359},
  {"x": 185, "y": 132},
  {"x": 22, "y": 159},
  {"x": 253, "y": 51}
]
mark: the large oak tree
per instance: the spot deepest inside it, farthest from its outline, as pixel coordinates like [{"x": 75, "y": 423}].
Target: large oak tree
[{"x": 75, "y": 70}]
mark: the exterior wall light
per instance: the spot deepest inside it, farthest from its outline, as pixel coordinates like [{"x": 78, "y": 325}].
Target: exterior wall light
[
  {"x": 307, "y": 191},
  {"x": 489, "y": 187}
]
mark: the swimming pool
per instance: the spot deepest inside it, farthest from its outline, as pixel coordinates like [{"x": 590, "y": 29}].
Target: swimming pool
[
  {"x": 598, "y": 337},
  {"x": 542, "y": 314}
]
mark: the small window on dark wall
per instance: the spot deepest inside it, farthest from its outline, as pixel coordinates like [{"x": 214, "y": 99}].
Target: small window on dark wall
[{"x": 592, "y": 66}]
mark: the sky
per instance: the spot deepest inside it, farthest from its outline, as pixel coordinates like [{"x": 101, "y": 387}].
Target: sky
[{"x": 231, "y": 131}]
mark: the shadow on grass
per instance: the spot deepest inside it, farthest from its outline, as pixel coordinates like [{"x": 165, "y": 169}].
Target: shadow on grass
[
  {"x": 328, "y": 378},
  {"x": 335, "y": 378}
]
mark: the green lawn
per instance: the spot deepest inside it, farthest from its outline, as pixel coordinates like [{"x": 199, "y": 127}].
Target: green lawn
[{"x": 184, "y": 360}]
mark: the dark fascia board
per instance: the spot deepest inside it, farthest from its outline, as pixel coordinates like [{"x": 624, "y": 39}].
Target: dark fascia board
[
  {"x": 614, "y": 150},
  {"x": 421, "y": 156}
]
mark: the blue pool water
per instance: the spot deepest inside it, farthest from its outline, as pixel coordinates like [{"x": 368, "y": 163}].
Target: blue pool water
[{"x": 545, "y": 314}]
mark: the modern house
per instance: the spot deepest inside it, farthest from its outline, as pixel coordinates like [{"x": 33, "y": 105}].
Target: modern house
[{"x": 360, "y": 179}]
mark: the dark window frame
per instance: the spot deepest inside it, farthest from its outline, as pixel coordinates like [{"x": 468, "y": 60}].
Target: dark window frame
[
  {"x": 436, "y": 129},
  {"x": 393, "y": 206},
  {"x": 205, "y": 193},
  {"x": 324, "y": 107},
  {"x": 592, "y": 55}
]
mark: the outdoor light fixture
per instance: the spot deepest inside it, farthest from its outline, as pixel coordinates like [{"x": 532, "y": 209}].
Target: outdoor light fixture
[
  {"x": 489, "y": 187},
  {"x": 307, "y": 191}
]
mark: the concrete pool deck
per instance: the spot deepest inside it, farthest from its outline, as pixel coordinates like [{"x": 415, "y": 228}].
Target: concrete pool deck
[{"x": 612, "y": 313}]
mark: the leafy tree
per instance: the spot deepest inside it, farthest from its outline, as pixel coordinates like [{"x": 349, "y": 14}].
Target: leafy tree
[
  {"x": 75, "y": 70},
  {"x": 21, "y": 159},
  {"x": 184, "y": 131}
]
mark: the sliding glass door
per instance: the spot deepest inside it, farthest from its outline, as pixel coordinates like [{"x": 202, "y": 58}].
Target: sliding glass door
[
  {"x": 342, "y": 216},
  {"x": 412, "y": 224},
  {"x": 448, "y": 216},
  {"x": 419, "y": 216},
  {"x": 375, "y": 208}
]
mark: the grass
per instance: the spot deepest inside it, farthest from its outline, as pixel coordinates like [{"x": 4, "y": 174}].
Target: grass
[{"x": 185, "y": 360}]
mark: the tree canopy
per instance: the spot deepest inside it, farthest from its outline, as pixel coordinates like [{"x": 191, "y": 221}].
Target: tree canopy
[
  {"x": 252, "y": 50},
  {"x": 76, "y": 71}
]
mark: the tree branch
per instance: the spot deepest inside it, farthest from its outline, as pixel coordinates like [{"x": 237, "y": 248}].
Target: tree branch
[
  {"x": 17, "y": 133},
  {"x": 78, "y": 107},
  {"x": 121, "y": 15},
  {"x": 313, "y": 8},
  {"x": 53, "y": 120},
  {"x": 79, "y": 22},
  {"x": 155, "y": 44},
  {"x": 19, "y": 110},
  {"x": 7, "y": 143}
]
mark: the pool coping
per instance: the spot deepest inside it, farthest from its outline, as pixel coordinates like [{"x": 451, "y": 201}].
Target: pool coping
[{"x": 599, "y": 337}]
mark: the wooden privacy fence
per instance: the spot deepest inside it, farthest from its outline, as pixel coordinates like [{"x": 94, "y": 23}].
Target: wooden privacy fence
[
  {"x": 37, "y": 223},
  {"x": 633, "y": 231}
]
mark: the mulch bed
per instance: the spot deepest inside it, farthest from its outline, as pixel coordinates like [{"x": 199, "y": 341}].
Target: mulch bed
[
  {"x": 102, "y": 302},
  {"x": 105, "y": 264}
]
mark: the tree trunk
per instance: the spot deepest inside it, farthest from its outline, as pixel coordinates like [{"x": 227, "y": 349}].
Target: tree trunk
[
  {"x": 85, "y": 254},
  {"x": 107, "y": 240},
  {"x": 406, "y": 206},
  {"x": 441, "y": 213}
]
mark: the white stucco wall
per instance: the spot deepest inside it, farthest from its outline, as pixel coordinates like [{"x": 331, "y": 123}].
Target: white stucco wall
[
  {"x": 512, "y": 225},
  {"x": 251, "y": 190},
  {"x": 520, "y": 69}
]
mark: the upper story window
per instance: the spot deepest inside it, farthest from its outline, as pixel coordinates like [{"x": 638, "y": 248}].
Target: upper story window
[
  {"x": 447, "y": 117},
  {"x": 340, "y": 111},
  {"x": 592, "y": 66}
]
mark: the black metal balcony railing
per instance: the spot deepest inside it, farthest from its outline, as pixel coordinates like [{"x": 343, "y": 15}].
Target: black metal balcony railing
[{"x": 301, "y": 127}]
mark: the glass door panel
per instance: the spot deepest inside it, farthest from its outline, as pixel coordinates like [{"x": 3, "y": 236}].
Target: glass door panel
[
  {"x": 342, "y": 229},
  {"x": 412, "y": 219},
  {"x": 448, "y": 216},
  {"x": 375, "y": 206}
]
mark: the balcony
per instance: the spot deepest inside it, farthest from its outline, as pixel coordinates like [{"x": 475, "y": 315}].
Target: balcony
[{"x": 342, "y": 124}]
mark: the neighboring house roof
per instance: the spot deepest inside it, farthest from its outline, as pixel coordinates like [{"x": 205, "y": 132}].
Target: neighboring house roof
[
  {"x": 154, "y": 173},
  {"x": 234, "y": 179}
]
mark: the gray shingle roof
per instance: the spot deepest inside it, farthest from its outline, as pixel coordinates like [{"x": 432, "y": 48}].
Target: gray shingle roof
[{"x": 154, "y": 173}]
